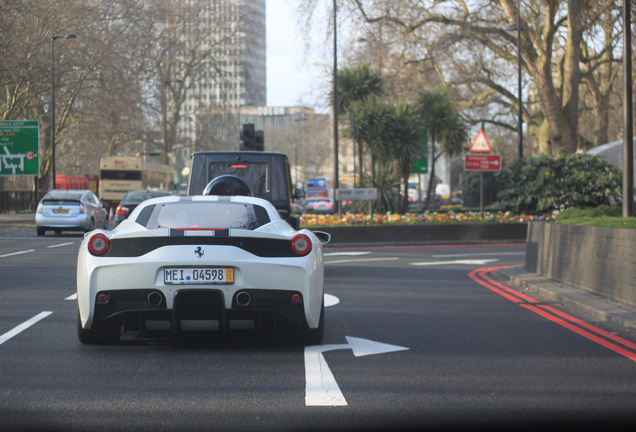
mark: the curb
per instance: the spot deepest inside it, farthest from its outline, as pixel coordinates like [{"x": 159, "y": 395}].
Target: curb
[
  {"x": 426, "y": 233},
  {"x": 600, "y": 308}
]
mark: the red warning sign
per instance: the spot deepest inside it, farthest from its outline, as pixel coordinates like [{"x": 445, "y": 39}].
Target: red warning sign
[{"x": 481, "y": 143}]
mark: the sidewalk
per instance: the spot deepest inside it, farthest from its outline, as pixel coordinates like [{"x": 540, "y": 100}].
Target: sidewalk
[
  {"x": 599, "y": 308},
  {"x": 17, "y": 219}
]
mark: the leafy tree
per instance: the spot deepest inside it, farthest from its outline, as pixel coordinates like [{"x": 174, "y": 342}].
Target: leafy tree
[{"x": 545, "y": 183}]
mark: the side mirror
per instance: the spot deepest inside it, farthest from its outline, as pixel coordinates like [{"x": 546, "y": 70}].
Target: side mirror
[{"x": 324, "y": 237}]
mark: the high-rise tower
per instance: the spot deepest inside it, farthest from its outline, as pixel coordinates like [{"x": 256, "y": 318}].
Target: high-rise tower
[{"x": 229, "y": 37}]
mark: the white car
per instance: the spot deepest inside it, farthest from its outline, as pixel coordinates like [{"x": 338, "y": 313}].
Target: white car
[
  {"x": 320, "y": 205},
  {"x": 201, "y": 263}
]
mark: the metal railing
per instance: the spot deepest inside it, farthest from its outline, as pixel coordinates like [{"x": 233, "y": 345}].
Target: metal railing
[{"x": 17, "y": 201}]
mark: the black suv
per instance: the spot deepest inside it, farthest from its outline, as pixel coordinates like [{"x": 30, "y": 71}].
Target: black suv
[{"x": 266, "y": 173}]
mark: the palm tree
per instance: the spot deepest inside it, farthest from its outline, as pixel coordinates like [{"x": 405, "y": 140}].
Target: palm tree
[
  {"x": 444, "y": 125},
  {"x": 354, "y": 86},
  {"x": 393, "y": 137},
  {"x": 405, "y": 143},
  {"x": 372, "y": 119}
]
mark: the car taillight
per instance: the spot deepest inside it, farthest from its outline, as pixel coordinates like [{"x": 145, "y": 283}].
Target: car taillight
[
  {"x": 122, "y": 211},
  {"x": 82, "y": 209},
  {"x": 98, "y": 244},
  {"x": 301, "y": 244}
]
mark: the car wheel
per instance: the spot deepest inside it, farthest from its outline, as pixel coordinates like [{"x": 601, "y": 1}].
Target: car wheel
[
  {"x": 40, "y": 231},
  {"x": 315, "y": 336},
  {"x": 105, "y": 336}
]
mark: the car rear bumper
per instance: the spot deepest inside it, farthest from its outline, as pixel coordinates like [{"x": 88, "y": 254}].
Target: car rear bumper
[
  {"x": 200, "y": 310},
  {"x": 75, "y": 222}
]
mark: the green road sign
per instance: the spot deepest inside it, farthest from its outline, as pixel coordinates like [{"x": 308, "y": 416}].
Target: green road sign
[
  {"x": 19, "y": 147},
  {"x": 420, "y": 164},
  {"x": 420, "y": 161}
]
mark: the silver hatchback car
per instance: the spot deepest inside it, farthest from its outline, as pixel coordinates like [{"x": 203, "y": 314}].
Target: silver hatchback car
[{"x": 70, "y": 210}]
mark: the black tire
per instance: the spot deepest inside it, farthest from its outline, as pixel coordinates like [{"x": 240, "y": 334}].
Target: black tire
[
  {"x": 315, "y": 336},
  {"x": 40, "y": 231},
  {"x": 103, "y": 336}
]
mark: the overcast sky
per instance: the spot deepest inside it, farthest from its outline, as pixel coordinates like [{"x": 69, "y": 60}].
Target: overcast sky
[{"x": 293, "y": 76}]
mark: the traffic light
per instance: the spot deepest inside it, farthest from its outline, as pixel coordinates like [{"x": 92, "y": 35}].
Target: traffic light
[
  {"x": 259, "y": 140},
  {"x": 247, "y": 137}
]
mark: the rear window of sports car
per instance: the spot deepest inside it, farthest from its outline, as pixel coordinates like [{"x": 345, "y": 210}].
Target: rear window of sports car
[{"x": 213, "y": 215}]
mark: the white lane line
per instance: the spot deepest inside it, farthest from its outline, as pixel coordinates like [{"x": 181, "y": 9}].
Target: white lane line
[
  {"x": 25, "y": 325},
  {"x": 72, "y": 297},
  {"x": 361, "y": 260},
  {"x": 478, "y": 254},
  {"x": 356, "y": 253},
  {"x": 17, "y": 253},
  {"x": 466, "y": 262},
  {"x": 59, "y": 245}
]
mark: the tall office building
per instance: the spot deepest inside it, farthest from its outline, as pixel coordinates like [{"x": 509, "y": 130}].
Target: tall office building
[{"x": 230, "y": 37}]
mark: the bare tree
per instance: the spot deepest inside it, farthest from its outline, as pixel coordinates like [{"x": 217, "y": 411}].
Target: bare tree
[{"x": 568, "y": 51}]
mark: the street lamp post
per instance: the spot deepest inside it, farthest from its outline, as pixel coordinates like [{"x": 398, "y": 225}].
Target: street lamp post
[
  {"x": 336, "y": 181},
  {"x": 628, "y": 127},
  {"x": 53, "y": 38}
]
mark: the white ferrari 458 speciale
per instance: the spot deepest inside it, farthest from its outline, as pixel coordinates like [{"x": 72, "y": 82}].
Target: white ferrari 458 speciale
[{"x": 201, "y": 263}]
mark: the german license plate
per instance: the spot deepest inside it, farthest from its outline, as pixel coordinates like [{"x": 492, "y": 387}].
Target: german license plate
[{"x": 198, "y": 275}]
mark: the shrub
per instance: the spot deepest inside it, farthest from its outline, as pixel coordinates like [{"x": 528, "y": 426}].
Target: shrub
[{"x": 544, "y": 184}]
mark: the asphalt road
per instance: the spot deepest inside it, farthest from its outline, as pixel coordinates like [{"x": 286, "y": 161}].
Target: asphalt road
[{"x": 415, "y": 337}]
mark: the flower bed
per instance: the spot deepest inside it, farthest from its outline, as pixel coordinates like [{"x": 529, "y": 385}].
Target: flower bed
[{"x": 313, "y": 220}]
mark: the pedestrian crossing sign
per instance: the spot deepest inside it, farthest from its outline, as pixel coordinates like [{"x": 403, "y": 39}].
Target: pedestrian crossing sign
[{"x": 481, "y": 143}]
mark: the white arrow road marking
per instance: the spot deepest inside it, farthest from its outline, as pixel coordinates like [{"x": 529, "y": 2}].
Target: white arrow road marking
[
  {"x": 467, "y": 262},
  {"x": 321, "y": 386},
  {"x": 25, "y": 325}
]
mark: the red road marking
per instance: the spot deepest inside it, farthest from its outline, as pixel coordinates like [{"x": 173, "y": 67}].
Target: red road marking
[{"x": 557, "y": 316}]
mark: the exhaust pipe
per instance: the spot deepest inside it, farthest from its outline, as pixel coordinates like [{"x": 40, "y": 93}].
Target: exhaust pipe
[
  {"x": 154, "y": 298},
  {"x": 243, "y": 299}
]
